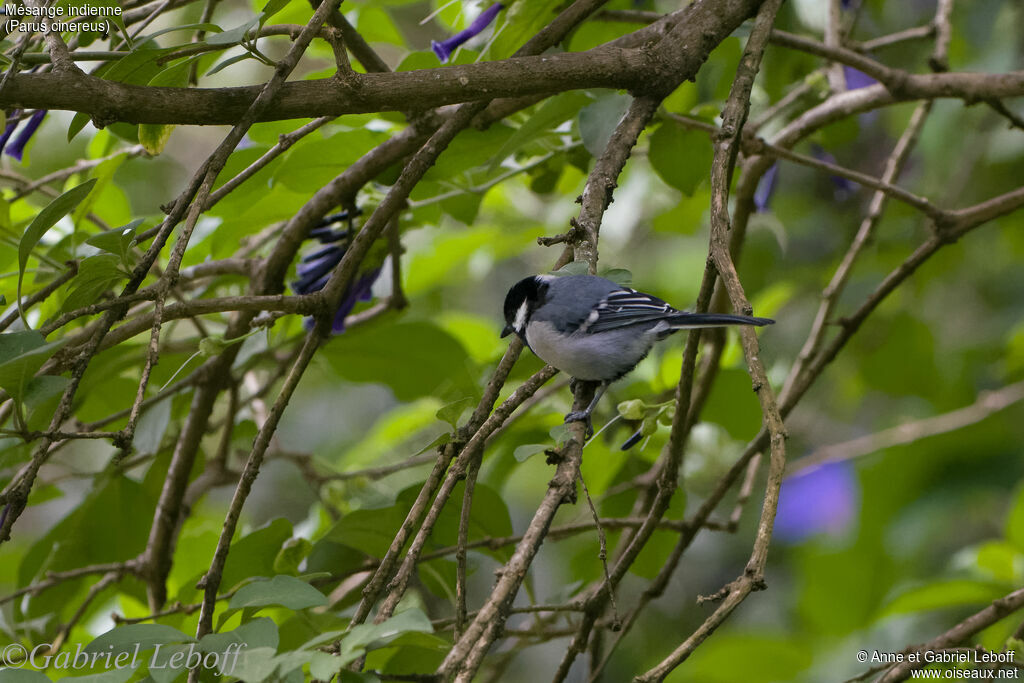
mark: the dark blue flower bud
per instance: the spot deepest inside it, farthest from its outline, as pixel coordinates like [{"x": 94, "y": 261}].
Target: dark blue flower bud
[{"x": 444, "y": 48}]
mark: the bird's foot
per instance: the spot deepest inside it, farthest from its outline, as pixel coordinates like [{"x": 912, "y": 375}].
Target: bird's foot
[{"x": 581, "y": 416}]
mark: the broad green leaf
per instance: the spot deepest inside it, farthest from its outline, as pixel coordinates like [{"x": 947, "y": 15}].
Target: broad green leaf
[
  {"x": 619, "y": 276},
  {"x": 232, "y": 35},
  {"x": 283, "y": 590},
  {"x": 272, "y": 7},
  {"x": 253, "y": 554},
  {"x": 22, "y": 354},
  {"x": 223, "y": 64},
  {"x": 96, "y": 275},
  {"x": 681, "y": 157},
  {"x": 369, "y": 531},
  {"x": 549, "y": 115},
  {"x": 45, "y": 220},
  {"x": 209, "y": 28},
  {"x": 113, "y": 675},
  {"x": 324, "y": 667},
  {"x": 527, "y": 451},
  {"x": 40, "y": 398},
  {"x": 940, "y": 594},
  {"x": 154, "y": 136},
  {"x": 597, "y": 121},
  {"x": 118, "y": 241},
  {"x": 291, "y": 555},
  {"x": 257, "y": 664},
  {"x": 149, "y": 432},
  {"x": 261, "y": 632},
  {"x": 22, "y": 676},
  {"x": 414, "y": 359},
  {"x": 145, "y": 636},
  {"x": 572, "y": 268},
  {"x": 376, "y": 26},
  {"x": 102, "y": 174},
  {"x": 451, "y": 412},
  {"x": 315, "y": 160},
  {"x": 376, "y": 635}
]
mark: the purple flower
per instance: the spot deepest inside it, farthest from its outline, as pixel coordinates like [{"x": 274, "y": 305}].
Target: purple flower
[
  {"x": 820, "y": 500},
  {"x": 12, "y": 123},
  {"x": 17, "y": 147},
  {"x": 362, "y": 290},
  {"x": 856, "y": 79},
  {"x": 314, "y": 270},
  {"x": 844, "y": 187},
  {"x": 444, "y": 48},
  {"x": 766, "y": 188}
]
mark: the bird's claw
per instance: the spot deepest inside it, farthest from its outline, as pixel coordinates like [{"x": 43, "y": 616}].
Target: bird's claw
[{"x": 581, "y": 416}]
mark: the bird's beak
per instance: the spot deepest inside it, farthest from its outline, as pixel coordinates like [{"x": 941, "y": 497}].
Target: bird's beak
[{"x": 506, "y": 331}]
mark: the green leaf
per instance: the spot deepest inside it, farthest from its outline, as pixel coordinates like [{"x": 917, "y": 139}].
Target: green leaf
[
  {"x": 39, "y": 394},
  {"x": 552, "y": 113},
  {"x": 572, "y": 268},
  {"x": 43, "y": 221},
  {"x": 291, "y": 555},
  {"x": 451, "y": 412},
  {"x": 102, "y": 174},
  {"x": 223, "y": 64},
  {"x": 145, "y": 636},
  {"x": 413, "y": 359},
  {"x": 253, "y": 554},
  {"x": 232, "y": 35},
  {"x": 22, "y": 676},
  {"x": 21, "y": 356},
  {"x": 272, "y": 7},
  {"x": 149, "y": 432},
  {"x": 114, "y": 675},
  {"x": 154, "y": 136},
  {"x": 118, "y": 241},
  {"x": 209, "y": 28},
  {"x": 681, "y": 157},
  {"x": 940, "y": 594},
  {"x": 619, "y": 276},
  {"x": 283, "y": 590},
  {"x": 324, "y": 667},
  {"x": 597, "y": 122},
  {"x": 96, "y": 275},
  {"x": 369, "y": 636},
  {"x": 527, "y": 451},
  {"x": 369, "y": 531},
  {"x": 316, "y": 160}
]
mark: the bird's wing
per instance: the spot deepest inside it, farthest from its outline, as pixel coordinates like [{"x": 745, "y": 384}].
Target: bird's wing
[{"x": 625, "y": 307}]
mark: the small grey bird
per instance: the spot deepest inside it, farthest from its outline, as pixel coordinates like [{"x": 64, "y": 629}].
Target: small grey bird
[{"x": 594, "y": 329}]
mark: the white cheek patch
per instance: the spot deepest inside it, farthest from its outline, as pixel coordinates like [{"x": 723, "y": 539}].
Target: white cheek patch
[{"x": 520, "y": 322}]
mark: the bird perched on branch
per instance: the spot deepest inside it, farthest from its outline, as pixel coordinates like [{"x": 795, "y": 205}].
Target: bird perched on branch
[{"x": 594, "y": 329}]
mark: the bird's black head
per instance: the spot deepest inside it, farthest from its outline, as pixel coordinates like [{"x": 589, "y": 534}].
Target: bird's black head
[{"x": 520, "y": 302}]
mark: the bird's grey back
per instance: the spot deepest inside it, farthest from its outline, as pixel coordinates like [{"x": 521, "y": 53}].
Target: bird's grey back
[{"x": 570, "y": 299}]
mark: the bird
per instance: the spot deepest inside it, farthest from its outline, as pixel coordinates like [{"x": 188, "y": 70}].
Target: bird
[{"x": 596, "y": 330}]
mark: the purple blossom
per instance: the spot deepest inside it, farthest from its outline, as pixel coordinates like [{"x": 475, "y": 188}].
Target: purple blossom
[
  {"x": 844, "y": 187},
  {"x": 314, "y": 270},
  {"x": 820, "y": 500},
  {"x": 17, "y": 147},
  {"x": 443, "y": 49},
  {"x": 12, "y": 123},
  {"x": 362, "y": 290},
  {"x": 766, "y": 188},
  {"x": 856, "y": 79}
]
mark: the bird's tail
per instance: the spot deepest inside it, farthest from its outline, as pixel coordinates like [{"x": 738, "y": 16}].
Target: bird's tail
[{"x": 685, "y": 321}]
